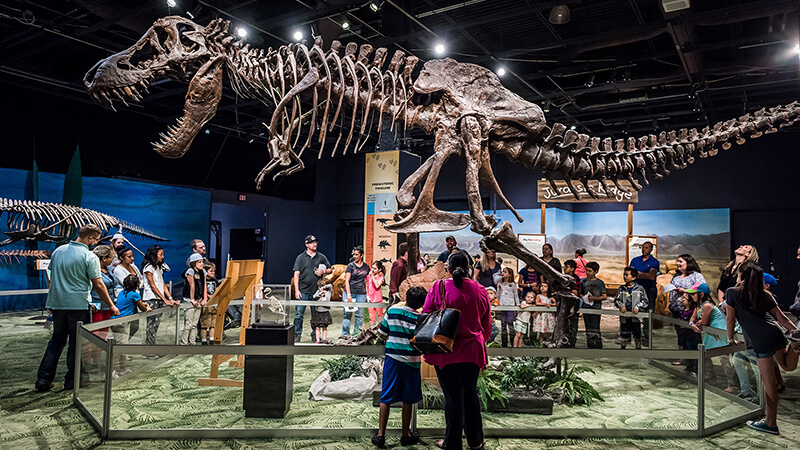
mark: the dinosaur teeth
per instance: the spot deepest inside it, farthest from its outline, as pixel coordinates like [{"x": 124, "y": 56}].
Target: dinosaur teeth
[{"x": 128, "y": 91}]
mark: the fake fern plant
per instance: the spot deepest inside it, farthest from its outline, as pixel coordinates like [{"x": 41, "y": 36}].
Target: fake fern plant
[
  {"x": 344, "y": 367},
  {"x": 528, "y": 373},
  {"x": 490, "y": 388},
  {"x": 574, "y": 388}
]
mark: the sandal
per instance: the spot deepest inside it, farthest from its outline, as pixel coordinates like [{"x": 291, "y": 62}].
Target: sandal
[{"x": 440, "y": 443}]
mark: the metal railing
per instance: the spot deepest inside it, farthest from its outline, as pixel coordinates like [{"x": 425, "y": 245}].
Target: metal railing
[{"x": 111, "y": 348}]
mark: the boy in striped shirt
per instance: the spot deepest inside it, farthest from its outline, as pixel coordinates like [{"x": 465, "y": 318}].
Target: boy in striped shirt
[{"x": 401, "y": 377}]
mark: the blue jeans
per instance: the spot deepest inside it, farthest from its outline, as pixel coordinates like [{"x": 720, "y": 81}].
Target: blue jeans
[
  {"x": 741, "y": 361},
  {"x": 65, "y": 326},
  {"x": 299, "y": 312},
  {"x": 360, "y": 298}
]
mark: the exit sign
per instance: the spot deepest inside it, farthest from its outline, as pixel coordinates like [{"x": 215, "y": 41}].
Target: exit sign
[{"x": 242, "y": 197}]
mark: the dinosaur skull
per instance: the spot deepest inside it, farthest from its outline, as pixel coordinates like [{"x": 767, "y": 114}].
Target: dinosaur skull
[{"x": 173, "y": 48}]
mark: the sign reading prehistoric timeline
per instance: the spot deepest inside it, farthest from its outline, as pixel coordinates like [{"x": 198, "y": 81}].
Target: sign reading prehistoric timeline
[
  {"x": 380, "y": 189},
  {"x": 562, "y": 194}
]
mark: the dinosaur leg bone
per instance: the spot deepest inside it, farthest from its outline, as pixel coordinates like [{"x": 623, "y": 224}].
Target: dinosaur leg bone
[
  {"x": 405, "y": 196},
  {"x": 471, "y": 138},
  {"x": 425, "y": 217}
]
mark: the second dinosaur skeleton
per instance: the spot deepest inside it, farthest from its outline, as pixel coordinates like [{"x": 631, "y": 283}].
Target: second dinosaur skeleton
[{"x": 31, "y": 221}]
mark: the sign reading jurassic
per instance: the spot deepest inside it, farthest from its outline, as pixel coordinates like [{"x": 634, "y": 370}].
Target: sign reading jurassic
[{"x": 562, "y": 194}]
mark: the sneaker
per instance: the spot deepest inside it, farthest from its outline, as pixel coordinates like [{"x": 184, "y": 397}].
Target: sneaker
[
  {"x": 114, "y": 375},
  {"x": 761, "y": 425},
  {"x": 152, "y": 356},
  {"x": 410, "y": 440},
  {"x": 44, "y": 387},
  {"x": 379, "y": 441},
  {"x": 622, "y": 341}
]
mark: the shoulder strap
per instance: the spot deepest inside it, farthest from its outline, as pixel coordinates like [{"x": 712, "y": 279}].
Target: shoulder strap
[{"x": 443, "y": 293}]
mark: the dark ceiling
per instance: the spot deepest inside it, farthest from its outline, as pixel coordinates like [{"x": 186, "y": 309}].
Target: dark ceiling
[{"x": 617, "y": 67}]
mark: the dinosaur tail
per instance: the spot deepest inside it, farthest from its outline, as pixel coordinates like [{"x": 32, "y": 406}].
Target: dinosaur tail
[{"x": 582, "y": 158}]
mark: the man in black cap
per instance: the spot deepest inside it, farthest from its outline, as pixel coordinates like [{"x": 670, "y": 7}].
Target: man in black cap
[
  {"x": 309, "y": 267},
  {"x": 452, "y": 246}
]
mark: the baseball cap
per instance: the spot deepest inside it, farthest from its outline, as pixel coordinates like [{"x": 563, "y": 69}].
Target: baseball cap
[
  {"x": 117, "y": 236},
  {"x": 702, "y": 287},
  {"x": 769, "y": 279},
  {"x": 195, "y": 257},
  {"x": 669, "y": 287},
  {"x": 491, "y": 288},
  {"x": 311, "y": 238},
  {"x": 450, "y": 237}
]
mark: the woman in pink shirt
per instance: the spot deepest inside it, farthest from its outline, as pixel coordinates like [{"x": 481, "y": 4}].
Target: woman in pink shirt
[
  {"x": 581, "y": 262},
  {"x": 458, "y": 371},
  {"x": 375, "y": 279}
]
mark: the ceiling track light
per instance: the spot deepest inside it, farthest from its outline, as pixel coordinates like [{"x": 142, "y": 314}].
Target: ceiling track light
[
  {"x": 172, "y": 3},
  {"x": 344, "y": 22},
  {"x": 298, "y": 35},
  {"x": 439, "y": 49},
  {"x": 501, "y": 71},
  {"x": 241, "y": 32},
  {"x": 374, "y": 6},
  {"x": 559, "y": 15}
]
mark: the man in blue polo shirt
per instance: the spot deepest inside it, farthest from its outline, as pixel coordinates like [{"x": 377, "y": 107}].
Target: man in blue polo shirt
[
  {"x": 648, "y": 267},
  {"x": 75, "y": 271}
]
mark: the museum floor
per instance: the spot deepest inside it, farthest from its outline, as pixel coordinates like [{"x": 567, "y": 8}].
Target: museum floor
[{"x": 636, "y": 395}]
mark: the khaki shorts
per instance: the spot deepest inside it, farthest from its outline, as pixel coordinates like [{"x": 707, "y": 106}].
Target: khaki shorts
[
  {"x": 208, "y": 316},
  {"x": 121, "y": 333}
]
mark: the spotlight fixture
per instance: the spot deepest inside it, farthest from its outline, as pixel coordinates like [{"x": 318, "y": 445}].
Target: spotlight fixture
[
  {"x": 501, "y": 71},
  {"x": 298, "y": 35},
  {"x": 172, "y": 3},
  {"x": 345, "y": 23},
  {"x": 374, "y": 6},
  {"x": 546, "y": 107},
  {"x": 573, "y": 127},
  {"x": 191, "y": 16},
  {"x": 439, "y": 49},
  {"x": 590, "y": 81},
  {"x": 797, "y": 49},
  {"x": 559, "y": 15},
  {"x": 208, "y": 131},
  {"x": 241, "y": 32}
]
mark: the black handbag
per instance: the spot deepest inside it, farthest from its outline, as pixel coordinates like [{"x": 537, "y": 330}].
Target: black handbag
[{"x": 436, "y": 331}]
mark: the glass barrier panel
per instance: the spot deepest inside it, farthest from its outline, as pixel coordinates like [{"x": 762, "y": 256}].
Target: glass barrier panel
[
  {"x": 167, "y": 393},
  {"x": 93, "y": 364},
  {"x": 723, "y": 387}
]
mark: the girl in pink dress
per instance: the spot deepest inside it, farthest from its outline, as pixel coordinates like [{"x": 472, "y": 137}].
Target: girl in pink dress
[{"x": 375, "y": 280}]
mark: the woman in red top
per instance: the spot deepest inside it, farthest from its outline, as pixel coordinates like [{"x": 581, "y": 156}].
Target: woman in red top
[
  {"x": 580, "y": 262},
  {"x": 458, "y": 371}
]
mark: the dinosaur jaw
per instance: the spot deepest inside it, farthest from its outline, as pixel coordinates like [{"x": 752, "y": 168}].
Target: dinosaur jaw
[
  {"x": 173, "y": 48},
  {"x": 202, "y": 98}
]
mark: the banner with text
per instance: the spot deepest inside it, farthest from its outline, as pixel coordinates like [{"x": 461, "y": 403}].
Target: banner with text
[
  {"x": 562, "y": 193},
  {"x": 380, "y": 187}
]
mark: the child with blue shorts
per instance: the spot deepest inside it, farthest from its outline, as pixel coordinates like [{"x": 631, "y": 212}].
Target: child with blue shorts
[{"x": 402, "y": 381}]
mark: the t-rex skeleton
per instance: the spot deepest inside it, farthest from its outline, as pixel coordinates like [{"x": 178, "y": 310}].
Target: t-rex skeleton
[
  {"x": 464, "y": 105},
  {"x": 31, "y": 221}
]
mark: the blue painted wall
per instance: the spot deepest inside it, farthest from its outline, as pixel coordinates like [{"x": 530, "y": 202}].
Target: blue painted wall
[{"x": 178, "y": 214}]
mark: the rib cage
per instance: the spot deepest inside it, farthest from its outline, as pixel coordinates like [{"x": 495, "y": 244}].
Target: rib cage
[
  {"x": 60, "y": 221},
  {"x": 348, "y": 85}
]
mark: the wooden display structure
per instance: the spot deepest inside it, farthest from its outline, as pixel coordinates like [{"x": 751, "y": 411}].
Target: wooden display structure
[{"x": 241, "y": 277}]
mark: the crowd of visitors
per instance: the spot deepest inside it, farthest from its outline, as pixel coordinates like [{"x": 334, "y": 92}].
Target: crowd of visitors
[{"x": 105, "y": 283}]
